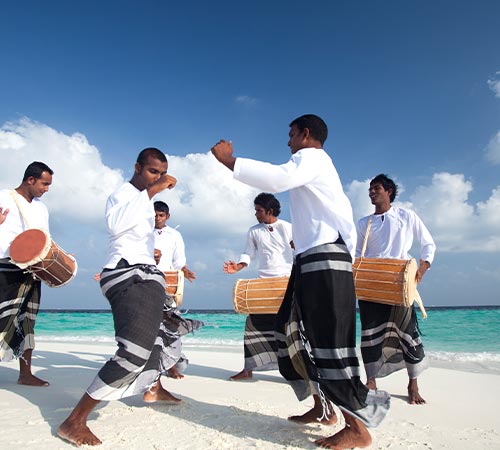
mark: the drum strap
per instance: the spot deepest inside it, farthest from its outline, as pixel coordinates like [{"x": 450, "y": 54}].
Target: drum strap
[
  {"x": 14, "y": 196},
  {"x": 418, "y": 299}
]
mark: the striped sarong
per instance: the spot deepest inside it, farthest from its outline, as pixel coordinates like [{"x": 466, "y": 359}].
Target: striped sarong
[
  {"x": 316, "y": 334},
  {"x": 260, "y": 342},
  {"x": 172, "y": 328},
  {"x": 137, "y": 297},
  {"x": 19, "y": 304},
  {"x": 390, "y": 340}
]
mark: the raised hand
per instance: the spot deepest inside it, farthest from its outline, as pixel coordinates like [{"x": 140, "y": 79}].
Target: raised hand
[{"x": 3, "y": 214}]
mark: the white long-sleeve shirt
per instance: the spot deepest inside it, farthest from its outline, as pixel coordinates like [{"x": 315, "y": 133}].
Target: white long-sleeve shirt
[
  {"x": 130, "y": 217},
  {"x": 173, "y": 253},
  {"x": 392, "y": 233},
  {"x": 319, "y": 208},
  {"x": 36, "y": 214},
  {"x": 271, "y": 248}
]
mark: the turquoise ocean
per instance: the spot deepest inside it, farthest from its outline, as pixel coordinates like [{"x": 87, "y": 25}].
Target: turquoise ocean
[{"x": 462, "y": 338}]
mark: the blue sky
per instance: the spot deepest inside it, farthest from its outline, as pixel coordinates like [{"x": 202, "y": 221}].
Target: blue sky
[{"x": 411, "y": 89}]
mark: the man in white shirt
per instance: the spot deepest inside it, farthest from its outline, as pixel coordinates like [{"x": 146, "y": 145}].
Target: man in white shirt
[
  {"x": 390, "y": 340},
  {"x": 170, "y": 255},
  {"x": 270, "y": 242},
  {"x": 316, "y": 324},
  {"x": 21, "y": 209},
  {"x": 135, "y": 289},
  {"x": 169, "y": 242}
]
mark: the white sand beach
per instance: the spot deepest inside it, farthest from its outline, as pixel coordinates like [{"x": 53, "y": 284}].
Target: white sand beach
[{"x": 219, "y": 414}]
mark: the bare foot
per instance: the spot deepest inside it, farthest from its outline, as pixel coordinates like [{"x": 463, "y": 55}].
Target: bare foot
[
  {"x": 371, "y": 384},
  {"x": 31, "y": 380},
  {"x": 243, "y": 375},
  {"x": 315, "y": 413},
  {"x": 355, "y": 434},
  {"x": 174, "y": 373},
  {"x": 157, "y": 393},
  {"x": 414, "y": 397},
  {"x": 77, "y": 433}
]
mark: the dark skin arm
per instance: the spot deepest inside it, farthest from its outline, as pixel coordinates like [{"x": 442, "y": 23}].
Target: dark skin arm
[{"x": 223, "y": 152}]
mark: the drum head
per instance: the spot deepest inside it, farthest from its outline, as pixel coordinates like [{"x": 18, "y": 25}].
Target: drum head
[{"x": 28, "y": 246}]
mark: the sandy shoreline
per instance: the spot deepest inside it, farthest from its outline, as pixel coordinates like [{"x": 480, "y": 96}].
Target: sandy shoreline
[{"x": 219, "y": 414}]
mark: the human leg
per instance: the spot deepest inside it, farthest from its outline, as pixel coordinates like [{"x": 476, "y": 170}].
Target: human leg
[
  {"x": 137, "y": 308},
  {"x": 25, "y": 375},
  {"x": 19, "y": 304},
  {"x": 315, "y": 414},
  {"x": 260, "y": 347},
  {"x": 74, "y": 429},
  {"x": 157, "y": 393},
  {"x": 414, "y": 397},
  {"x": 354, "y": 434}
]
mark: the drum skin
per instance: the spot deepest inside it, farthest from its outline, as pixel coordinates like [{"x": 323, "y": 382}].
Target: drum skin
[{"x": 36, "y": 252}]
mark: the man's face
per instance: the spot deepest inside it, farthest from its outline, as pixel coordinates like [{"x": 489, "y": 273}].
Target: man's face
[
  {"x": 296, "y": 139},
  {"x": 160, "y": 219},
  {"x": 378, "y": 195},
  {"x": 262, "y": 215},
  {"x": 150, "y": 172},
  {"x": 39, "y": 186}
]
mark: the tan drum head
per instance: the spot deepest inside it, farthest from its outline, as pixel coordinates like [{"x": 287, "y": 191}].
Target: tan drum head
[{"x": 28, "y": 246}]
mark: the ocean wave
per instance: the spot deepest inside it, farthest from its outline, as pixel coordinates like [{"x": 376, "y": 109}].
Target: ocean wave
[
  {"x": 191, "y": 341},
  {"x": 464, "y": 356}
]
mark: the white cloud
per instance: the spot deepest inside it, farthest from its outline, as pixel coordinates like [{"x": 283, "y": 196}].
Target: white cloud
[
  {"x": 246, "y": 100},
  {"x": 81, "y": 181},
  {"x": 492, "y": 150},
  {"x": 494, "y": 84},
  {"x": 207, "y": 200}
]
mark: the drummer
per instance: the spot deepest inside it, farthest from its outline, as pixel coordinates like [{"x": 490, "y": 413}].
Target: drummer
[
  {"x": 270, "y": 242},
  {"x": 21, "y": 209},
  {"x": 391, "y": 236},
  {"x": 170, "y": 255}
]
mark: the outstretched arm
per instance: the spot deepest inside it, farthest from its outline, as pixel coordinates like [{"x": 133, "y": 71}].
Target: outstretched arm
[
  {"x": 188, "y": 274},
  {"x": 232, "y": 267}
]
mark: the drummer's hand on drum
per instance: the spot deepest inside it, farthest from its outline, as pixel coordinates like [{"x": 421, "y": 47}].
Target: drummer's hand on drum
[
  {"x": 232, "y": 267},
  {"x": 188, "y": 274},
  {"x": 424, "y": 266},
  {"x": 157, "y": 255},
  {"x": 3, "y": 214},
  {"x": 166, "y": 181},
  {"x": 223, "y": 152}
]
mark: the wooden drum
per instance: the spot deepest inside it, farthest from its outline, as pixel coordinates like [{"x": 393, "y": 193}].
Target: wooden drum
[
  {"x": 36, "y": 252},
  {"x": 384, "y": 280},
  {"x": 175, "y": 285},
  {"x": 259, "y": 295}
]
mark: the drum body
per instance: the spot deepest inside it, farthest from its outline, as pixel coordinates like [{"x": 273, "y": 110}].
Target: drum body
[
  {"x": 259, "y": 295},
  {"x": 384, "y": 280},
  {"x": 175, "y": 285},
  {"x": 36, "y": 252}
]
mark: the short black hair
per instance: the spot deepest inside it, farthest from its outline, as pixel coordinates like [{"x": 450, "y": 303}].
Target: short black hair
[
  {"x": 35, "y": 170},
  {"x": 315, "y": 124},
  {"x": 268, "y": 202},
  {"x": 387, "y": 183},
  {"x": 161, "y": 207},
  {"x": 150, "y": 152}
]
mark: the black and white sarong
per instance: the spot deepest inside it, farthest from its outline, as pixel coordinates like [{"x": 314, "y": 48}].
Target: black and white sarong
[
  {"x": 19, "y": 304},
  {"x": 316, "y": 334},
  {"x": 259, "y": 342},
  {"x": 144, "y": 324},
  {"x": 390, "y": 340}
]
